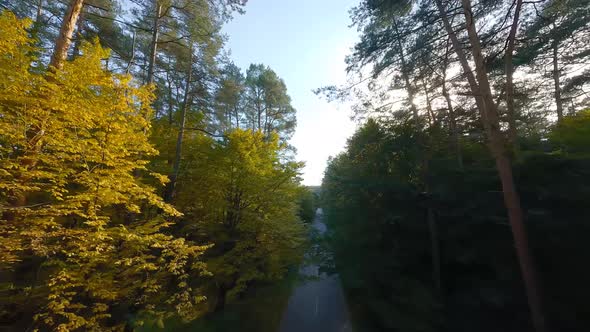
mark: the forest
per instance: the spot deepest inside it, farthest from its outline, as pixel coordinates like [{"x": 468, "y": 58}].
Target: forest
[
  {"x": 149, "y": 183},
  {"x": 461, "y": 203},
  {"x": 145, "y": 178}
]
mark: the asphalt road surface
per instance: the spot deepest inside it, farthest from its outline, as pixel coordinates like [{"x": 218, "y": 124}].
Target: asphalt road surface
[{"x": 317, "y": 305}]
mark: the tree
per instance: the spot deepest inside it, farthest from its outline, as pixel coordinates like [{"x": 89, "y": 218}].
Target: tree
[
  {"x": 230, "y": 98},
  {"x": 75, "y": 215},
  {"x": 375, "y": 209},
  {"x": 556, "y": 39},
  {"x": 268, "y": 106},
  {"x": 239, "y": 196},
  {"x": 482, "y": 93},
  {"x": 307, "y": 205},
  {"x": 383, "y": 37}
]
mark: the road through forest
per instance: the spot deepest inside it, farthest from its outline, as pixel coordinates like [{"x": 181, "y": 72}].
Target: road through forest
[{"x": 318, "y": 304}]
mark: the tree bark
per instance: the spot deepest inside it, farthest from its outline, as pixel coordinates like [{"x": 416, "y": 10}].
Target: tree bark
[
  {"x": 556, "y": 83},
  {"x": 452, "y": 116},
  {"x": 39, "y": 11},
  {"x": 405, "y": 75},
  {"x": 259, "y": 111},
  {"x": 79, "y": 29},
  {"x": 461, "y": 57},
  {"x": 431, "y": 117},
  {"x": 132, "y": 57},
  {"x": 154, "y": 44},
  {"x": 185, "y": 104},
  {"x": 170, "y": 99},
  {"x": 64, "y": 40},
  {"x": 509, "y": 65},
  {"x": 453, "y": 128},
  {"x": 484, "y": 100}
]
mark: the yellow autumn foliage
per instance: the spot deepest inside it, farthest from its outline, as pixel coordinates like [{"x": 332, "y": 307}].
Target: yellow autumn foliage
[
  {"x": 240, "y": 195},
  {"x": 83, "y": 239}
]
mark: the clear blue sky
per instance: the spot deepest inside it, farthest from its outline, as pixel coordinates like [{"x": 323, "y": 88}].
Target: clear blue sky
[{"x": 305, "y": 42}]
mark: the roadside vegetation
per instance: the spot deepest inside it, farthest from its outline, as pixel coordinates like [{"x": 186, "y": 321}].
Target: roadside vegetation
[
  {"x": 142, "y": 185},
  {"x": 461, "y": 203}
]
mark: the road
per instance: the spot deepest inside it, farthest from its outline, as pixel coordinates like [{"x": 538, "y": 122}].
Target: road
[{"x": 317, "y": 305}]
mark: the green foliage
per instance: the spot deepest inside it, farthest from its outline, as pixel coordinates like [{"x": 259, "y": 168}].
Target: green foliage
[
  {"x": 573, "y": 133},
  {"x": 307, "y": 205},
  {"x": 377, "y": 212},
  {"x": 370, "y": 197}
]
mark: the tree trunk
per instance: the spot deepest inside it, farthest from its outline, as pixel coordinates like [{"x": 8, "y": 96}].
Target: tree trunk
[
  {"x": 405, "y": 75},
  {"x": 132, "y": 57},
  {"x": 512, "y": 129},
  {"x": 432, "y": 227},
  {"x": 64, "y": 40},
  {"x": 435, "y": 249},
  {"x": 185, "y": 104},
  {"x": 454, "y": 129},
  {"x": 431, "y": 117},
  {"x": 511, "y": 197},
  {"x": 259, "y": 111},
  {"x": 154, "y": 44},
  {"x": 79, "y": 29},
  {"x": 266, "y": 130},
  {"x": 473, "y": 85},
  {"x": 484, "y": 100},
  {"x": 170, "y": 99},
  {"x": 556, "y": 83},
  {"x": 39, "y": 11},
  {"x": 221, "y": 296},
  {"x": 452, "y": 117}
]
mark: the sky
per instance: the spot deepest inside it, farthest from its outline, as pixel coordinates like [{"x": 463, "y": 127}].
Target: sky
[{"x": 305, "y": 43}]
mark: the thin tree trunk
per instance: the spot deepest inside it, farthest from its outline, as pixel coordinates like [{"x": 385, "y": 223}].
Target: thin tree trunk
[
  {"x": 38, "y": 17},
  {"x": 512, "y": 129},
  {"x": 432, "y": 227},
  {"x": 452, "y": 116},
  {"x": 170, "y": 99},
  {"x": 484, "y": 100},
  {"x": 432, "y": 118},
  {"x": 64, "y": 40},
  {"x": 185, "y": 104},
  {"x": 426, "y": 147},
  {"x": 435, "y": 248},
  {"x": 132, "y": 58},
  {"x": 266, "y": 126},
  {"x": 556, "y": 83},
  {"x": 154, "y": 44},
  {"x": 221, "y": 296},
  {"x": 259, "y": 111},
  {"x": 39, "y": 11},
  {"x": 405, "y": 75},
  {"x": 453, "y": 127},
  {"x": 462, "y": 59}
]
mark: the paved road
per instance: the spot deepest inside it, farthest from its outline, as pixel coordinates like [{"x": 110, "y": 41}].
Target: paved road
[{"x": 317, "y": 305}]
